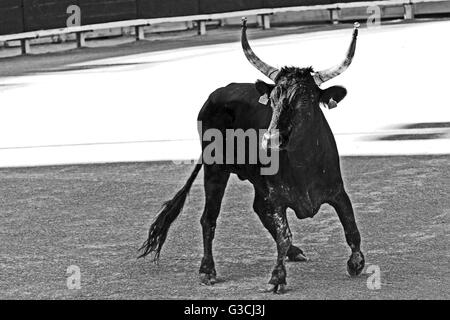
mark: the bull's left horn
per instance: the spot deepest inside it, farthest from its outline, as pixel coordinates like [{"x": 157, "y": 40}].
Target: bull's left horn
[
  {"x": 328, "y": 74},
  {"x": 266, "y": 69}
]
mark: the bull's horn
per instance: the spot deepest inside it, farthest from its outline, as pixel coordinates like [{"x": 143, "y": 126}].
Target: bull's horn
[
  {"x": 328, "y": 74},
  {"x": 267, "y": 70}
]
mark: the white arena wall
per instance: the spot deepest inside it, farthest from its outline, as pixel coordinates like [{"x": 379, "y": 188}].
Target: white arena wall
[{"x": 143, "y": 107}]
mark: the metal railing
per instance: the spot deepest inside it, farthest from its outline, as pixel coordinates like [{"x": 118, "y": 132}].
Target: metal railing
[{"x": 201, "y": 19}]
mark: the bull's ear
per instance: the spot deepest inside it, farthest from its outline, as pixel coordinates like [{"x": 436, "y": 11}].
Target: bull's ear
[
  {"x": 332, "y": 96},
  {"x": 264, "y": 88}
]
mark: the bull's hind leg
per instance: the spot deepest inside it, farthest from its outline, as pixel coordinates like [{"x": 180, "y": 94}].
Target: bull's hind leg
[
  {"x": 215, "y": 182},
  {"x": 275, "y": 221},
  {"x": 344, "y": 209}
]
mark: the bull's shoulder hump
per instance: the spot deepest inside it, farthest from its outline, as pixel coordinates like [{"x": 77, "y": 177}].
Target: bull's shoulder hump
[
  {"x": 234, "y": 92},
  {"x": 236, "y": 101}
]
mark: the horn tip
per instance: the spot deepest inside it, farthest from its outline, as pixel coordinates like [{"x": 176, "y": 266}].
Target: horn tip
[
  {"x": 356, "y": 25},
  {"x": 244, "y": 22}
]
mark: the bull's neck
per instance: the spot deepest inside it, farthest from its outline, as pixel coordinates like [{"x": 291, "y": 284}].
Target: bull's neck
[{"x": 306, "y": 141}]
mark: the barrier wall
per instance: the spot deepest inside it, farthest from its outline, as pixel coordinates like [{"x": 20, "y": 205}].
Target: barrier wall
[
  {"x": 30, "y": 15},
  {"x": 168, "y": 8},
  {"x": 45, "y": 14},
  {"x": 11, "y": 16},
  {"x": 98, "y": 11},
  {"x": 214, "y": 6}
]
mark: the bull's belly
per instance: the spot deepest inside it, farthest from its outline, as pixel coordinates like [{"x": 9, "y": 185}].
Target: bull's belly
[
  {"x": 304, "y": 204},
  {"x": 302, "y": 213}
]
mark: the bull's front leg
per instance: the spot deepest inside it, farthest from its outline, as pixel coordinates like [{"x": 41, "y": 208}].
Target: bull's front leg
[
  {"x": 276, "y": 222},
  {"x": 344, "y": 209}
]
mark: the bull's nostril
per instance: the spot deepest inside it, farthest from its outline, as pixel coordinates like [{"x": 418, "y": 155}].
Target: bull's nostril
[
  {"x": 270, "y": 140},
  {"x": 264, "y": 145},
  {"x": 264, "y": 142}
]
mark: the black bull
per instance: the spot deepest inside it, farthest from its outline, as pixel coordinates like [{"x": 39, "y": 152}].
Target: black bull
[{"x": 309, "y": 171}]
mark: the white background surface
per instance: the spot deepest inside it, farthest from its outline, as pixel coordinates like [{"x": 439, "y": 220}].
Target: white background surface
[{"x": 148, "y": 111}]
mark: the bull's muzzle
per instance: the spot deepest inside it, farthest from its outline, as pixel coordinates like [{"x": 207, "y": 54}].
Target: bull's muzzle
[{"x": 271, "y": 140}]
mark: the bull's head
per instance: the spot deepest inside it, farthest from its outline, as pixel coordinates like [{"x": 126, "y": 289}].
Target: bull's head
[{"x": 296, "y": 92}]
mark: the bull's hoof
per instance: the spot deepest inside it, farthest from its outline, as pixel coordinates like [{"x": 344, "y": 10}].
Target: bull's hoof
[
  {"x": 298, "y": 258},
  {"x": 355, "y": 264},
  {"x": 275, "y": 288},
  {"x": 296, "y": 254},
  {"x": 208, "y": 279}
]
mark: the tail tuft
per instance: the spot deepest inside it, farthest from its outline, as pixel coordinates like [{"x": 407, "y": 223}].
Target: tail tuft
[{"x": 169, "y": 212}]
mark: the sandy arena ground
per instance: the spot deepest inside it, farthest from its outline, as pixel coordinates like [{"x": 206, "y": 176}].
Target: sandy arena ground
[{"x": 96, "y": 217}]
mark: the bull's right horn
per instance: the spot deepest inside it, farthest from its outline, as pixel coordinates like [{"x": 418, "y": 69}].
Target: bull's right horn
[{"x": 266, "y": 69}]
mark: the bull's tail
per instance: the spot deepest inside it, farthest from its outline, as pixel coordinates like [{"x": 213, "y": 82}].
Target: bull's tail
[{"x": 168, "y": 213}]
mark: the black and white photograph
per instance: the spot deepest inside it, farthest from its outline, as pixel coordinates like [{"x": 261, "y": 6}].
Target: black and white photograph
[{"x": 241, "y": 151}]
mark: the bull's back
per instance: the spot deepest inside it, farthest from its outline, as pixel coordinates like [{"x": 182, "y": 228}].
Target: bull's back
[{"x": 235, "y": 106}]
